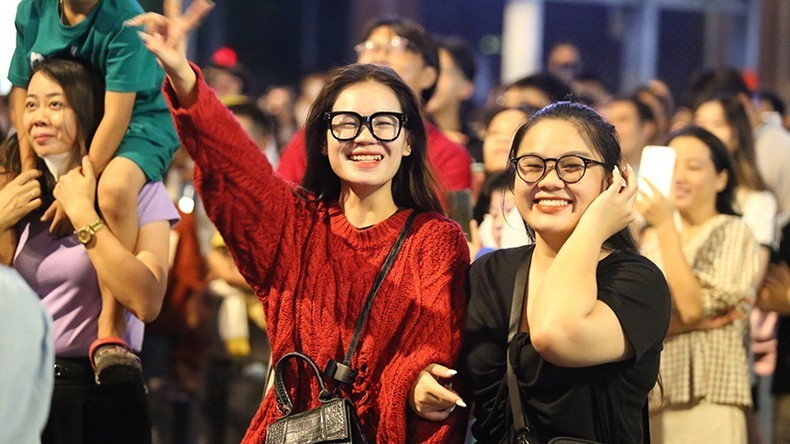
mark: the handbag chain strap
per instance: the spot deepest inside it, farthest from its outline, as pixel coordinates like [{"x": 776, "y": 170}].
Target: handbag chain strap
[
  {"x": 520, "y": 421},
  {"x": 342, "y": 371}
]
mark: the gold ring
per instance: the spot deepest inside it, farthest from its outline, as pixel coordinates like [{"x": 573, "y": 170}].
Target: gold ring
[{"x": 33, "y": 193}]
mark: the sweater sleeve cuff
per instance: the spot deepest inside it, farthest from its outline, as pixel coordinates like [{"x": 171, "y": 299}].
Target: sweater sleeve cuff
[{"x": 205, "y": 95}]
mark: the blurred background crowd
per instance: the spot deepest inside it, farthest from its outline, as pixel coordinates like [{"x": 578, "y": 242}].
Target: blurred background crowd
[{"x": 647, "y": 66}]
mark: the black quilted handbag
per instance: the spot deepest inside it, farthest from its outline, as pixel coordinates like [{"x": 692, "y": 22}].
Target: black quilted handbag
[{"x": 334, "y": 421}]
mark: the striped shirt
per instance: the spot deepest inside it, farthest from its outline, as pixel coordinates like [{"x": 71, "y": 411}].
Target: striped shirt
[{"x": 711, "y": 365}]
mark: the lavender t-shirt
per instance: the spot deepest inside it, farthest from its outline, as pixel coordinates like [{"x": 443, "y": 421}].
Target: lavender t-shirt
[{"x": 61, "y": 273}]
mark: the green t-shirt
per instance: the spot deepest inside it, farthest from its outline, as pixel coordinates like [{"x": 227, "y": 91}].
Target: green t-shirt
[{"x": 103, "y": 41}]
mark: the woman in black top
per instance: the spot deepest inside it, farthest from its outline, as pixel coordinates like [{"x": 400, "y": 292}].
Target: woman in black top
[{"x": 595, "y": 312}]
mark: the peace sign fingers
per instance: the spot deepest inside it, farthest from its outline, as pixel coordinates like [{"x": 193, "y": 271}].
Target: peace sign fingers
[{"x": 166, "y": 38}]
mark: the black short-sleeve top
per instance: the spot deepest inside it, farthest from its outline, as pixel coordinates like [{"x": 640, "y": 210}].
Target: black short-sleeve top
[{"x": 603, "y": 402}]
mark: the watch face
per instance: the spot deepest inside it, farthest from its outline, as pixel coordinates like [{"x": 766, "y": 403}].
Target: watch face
[{"x": 84, "y": 235}]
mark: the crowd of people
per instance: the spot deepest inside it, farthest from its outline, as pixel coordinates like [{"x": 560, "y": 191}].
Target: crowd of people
[{"x": 182, "y": 236}]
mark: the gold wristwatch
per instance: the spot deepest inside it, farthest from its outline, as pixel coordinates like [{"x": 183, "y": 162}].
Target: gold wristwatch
[{"x": 86, "y": 233}]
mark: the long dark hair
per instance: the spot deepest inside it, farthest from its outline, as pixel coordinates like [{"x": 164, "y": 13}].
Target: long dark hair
[
  {"x": 722, "y": 161},
  {"x": 743, "y": 156},
  {"x": 84, "y": 92},
  {"x": 601, "y": 137},
  {"x": 413, "y": 185}
]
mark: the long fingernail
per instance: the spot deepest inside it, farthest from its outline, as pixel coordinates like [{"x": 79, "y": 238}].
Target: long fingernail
[
  {"x": 460, "y": 403},
  {"x": 452, "y": 408},
  {"x": 450, "y": 373},
  {"x": 130, "y": 23},
  {"x": 143, "y": 36}
]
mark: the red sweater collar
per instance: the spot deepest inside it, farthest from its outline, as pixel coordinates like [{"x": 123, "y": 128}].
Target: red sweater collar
[{"x": 375, "y": 236}]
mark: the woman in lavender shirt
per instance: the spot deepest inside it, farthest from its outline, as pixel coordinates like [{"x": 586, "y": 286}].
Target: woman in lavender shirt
[{"x": 62, "y": 110}]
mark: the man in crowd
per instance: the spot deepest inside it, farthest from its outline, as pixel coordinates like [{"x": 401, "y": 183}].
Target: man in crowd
[{"x": 635, "y": 125}]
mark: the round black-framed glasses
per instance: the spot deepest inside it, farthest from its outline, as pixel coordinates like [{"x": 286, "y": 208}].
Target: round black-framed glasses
[
  {"x": 570, "y": 167},
  {"x": 385, "y": 126}
]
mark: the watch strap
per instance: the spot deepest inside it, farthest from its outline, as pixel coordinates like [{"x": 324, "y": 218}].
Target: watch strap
[
  {"x": 96, "y": 225},
  {"x": 86, "y": 233}
]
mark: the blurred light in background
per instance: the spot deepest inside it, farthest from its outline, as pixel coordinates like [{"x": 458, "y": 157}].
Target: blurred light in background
[{"x": 7, "y": 40}]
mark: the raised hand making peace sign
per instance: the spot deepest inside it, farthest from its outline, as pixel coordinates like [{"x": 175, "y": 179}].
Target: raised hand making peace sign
[{"x": 166, "y": 37}]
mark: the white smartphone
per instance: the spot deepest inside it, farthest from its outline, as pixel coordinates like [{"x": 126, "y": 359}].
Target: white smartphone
[{"x": 658, "y": 166}]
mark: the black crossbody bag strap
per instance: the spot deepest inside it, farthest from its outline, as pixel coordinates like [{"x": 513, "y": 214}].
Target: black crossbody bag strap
[
  {"x": 516, "y": 310},
  {"x": 646, "y": 423},
  {"x": 343, "y": 372}
]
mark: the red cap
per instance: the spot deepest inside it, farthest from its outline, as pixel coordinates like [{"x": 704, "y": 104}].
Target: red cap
[{"x": 225, "y": 57}]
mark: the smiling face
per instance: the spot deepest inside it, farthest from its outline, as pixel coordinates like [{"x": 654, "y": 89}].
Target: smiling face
[
  {"x": 365, "y": 164},
  {"x": 550, "y": 206},
  {"x": 696, "y": 183},
  {"x": 49, "y": 121}
]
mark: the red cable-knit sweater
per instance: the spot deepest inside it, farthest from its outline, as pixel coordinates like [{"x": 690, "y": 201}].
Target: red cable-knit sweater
[{"x": 312, "y": 270}]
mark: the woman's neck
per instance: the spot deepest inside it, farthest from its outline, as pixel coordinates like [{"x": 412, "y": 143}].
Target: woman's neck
[
  {"x": 75, "y": 11},
  {"x": 697, "y": 217},
  {"x": 364, "y": 208},
  {"x": 447, "y": 119},
  {"x": 546, "y": 249}
]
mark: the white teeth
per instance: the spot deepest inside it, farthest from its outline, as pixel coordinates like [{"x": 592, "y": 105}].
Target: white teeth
[
  {"x": 366, "y": 157},
  {"x": 553, "y": 203}
]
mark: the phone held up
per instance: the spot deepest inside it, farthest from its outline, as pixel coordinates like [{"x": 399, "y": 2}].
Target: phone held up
[{"x": 657, "y": 166}]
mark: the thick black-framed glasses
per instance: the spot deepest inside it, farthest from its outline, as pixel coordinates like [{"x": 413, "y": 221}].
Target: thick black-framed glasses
[
  {"x": 570, "y": 167},
  {"x": 384, "y": 125}
]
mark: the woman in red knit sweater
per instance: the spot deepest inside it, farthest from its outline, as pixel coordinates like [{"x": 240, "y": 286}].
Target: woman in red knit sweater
[{"x": 311, "y": 254}]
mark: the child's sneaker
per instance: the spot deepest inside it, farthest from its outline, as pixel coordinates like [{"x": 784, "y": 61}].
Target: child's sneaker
[{"x": 114, "y": 362}]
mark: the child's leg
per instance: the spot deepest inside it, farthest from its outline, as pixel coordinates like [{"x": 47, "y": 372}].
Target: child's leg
[
  {"x": 26, "y": 155},
  {"x": 119, "y": 186}
]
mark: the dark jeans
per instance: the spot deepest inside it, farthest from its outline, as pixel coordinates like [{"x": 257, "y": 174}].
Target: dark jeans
[{"x": 83, "y": 412}]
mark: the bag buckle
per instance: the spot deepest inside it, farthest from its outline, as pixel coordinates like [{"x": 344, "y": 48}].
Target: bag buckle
[
  {"x": 522, "y": 438},
  {"x": 340, "y": 372}
]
